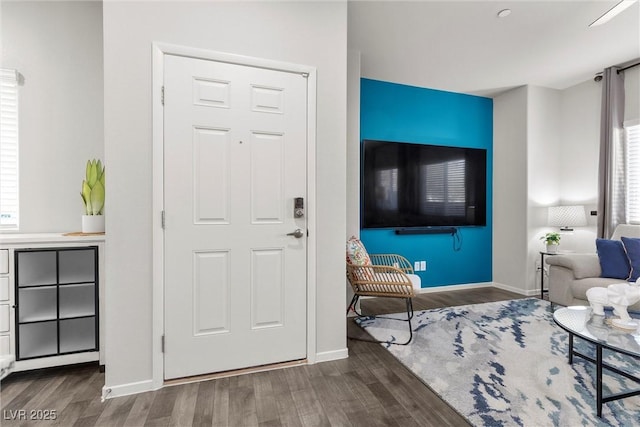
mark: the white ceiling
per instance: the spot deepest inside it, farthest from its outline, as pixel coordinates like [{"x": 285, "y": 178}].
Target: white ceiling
[{"x": 462, "y": 46}]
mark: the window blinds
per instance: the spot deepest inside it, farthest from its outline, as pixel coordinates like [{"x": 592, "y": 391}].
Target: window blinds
[
  {"x": 632, "y": 138},
  {"x": 8, "y": 149}
]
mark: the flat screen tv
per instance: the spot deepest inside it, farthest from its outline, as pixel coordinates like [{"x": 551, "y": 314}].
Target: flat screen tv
[{"x": 407, "y": 185}]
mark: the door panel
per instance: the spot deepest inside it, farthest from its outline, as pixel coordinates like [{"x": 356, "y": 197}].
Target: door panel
[
  {"x": 210, "y": 175},
  {"x": 235, "y": 160},
  {"x": 210, "y": 292},
  {"x": 267, "y": 288},
  {"x": 267, "y": 178}
]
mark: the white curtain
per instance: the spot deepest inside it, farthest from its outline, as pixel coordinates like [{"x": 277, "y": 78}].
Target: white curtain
[{"x": 611, "y": 179}]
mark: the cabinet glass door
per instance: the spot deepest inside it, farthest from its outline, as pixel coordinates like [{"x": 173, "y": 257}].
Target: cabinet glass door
[
  {"x": 37, "y": 304},
  {"x": 38, "y": 339},
  {"x": 37, "y": 268},
  {"x": 78, "y": 334},
  {"x": 77, "y": 266},
  {"x": 77, "y": 300}
]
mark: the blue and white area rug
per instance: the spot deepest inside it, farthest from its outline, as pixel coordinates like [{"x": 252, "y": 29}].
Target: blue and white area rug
[{"x": 505, "y": 364}]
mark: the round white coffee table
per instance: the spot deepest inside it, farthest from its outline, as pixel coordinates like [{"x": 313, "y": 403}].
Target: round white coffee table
[{"x": 596, "y": 331}]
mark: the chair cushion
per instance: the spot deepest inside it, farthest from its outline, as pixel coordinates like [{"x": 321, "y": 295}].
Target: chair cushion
[
  {"x": 415, "y": 281},
  {"x": 632, "y": 248},
  {"x": 356, "y": 252},
  {"x": 393, "y": 277},
  {"x": 613, "y": 259}
]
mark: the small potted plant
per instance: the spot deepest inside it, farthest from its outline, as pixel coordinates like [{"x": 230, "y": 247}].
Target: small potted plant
[
  {"x": 552, "y": 240},
  {"x": 93, "y": 197}
]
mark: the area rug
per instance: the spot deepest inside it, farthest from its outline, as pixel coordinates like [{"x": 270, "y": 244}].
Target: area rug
[{"x": 505, "y": 364}]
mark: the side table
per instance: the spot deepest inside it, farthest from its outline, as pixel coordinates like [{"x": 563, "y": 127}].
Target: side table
[{"x": 542, "y": 255}]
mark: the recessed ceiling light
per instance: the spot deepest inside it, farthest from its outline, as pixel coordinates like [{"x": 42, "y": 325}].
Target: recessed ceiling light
[{"x": 504, "y": 13}]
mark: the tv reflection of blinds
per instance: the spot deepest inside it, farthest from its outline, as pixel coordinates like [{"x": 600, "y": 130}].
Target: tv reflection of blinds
[
  {"x": 387, "y": 188},
  {"x": 420, "y": 185},
  {"x": 443, "y": 188}
]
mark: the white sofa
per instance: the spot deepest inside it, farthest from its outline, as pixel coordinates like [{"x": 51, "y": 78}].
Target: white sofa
[{"x": 571, "y": 275}]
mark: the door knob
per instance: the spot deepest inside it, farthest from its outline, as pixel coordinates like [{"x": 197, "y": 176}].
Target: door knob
[{"x": 297, "y": 234}]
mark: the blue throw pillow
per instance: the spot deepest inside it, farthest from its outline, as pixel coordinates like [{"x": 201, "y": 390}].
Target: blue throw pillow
[
  {"x": 632, "y": 246},
  {"x": 614, "y": 262}
]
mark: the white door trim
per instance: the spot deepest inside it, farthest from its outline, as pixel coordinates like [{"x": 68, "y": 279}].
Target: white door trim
[{"x": 158, "y": 52}]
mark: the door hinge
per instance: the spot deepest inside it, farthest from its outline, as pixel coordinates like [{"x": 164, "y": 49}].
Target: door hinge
[
  {"x": 162, "y": 95},
  {"x": 162, "y": 343},
  {"x": 162, "y": 219}
]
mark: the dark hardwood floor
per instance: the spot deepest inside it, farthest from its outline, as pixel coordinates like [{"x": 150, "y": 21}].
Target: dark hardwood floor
[{"x": 370, "y": 388}]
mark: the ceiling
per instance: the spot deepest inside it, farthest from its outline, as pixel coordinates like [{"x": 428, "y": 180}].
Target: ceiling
[{"x": 462, "y": 46}]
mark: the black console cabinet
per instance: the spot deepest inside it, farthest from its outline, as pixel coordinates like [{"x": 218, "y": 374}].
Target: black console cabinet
[{"x": 56, "y": 301}]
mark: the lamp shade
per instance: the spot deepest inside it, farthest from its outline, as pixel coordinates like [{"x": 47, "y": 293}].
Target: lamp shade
[{"x": 567, "y": 216}]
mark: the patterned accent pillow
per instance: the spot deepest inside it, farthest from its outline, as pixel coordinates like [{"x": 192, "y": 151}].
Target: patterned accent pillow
[{"x": 356, "y": 253}]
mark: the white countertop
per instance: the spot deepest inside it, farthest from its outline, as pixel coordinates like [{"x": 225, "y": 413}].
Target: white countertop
[{"x": 17, "y": 238}]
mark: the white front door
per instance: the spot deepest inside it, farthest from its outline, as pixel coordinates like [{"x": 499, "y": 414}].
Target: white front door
[{"x": 234, "y": 162}]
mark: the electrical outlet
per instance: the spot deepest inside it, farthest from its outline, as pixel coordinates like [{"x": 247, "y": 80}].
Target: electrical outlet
[
  {"x": 416, "y": 266},
  {"x": 423, "y": 265}
]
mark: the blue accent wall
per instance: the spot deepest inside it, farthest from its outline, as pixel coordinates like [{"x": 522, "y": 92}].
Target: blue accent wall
[{"x": 395, "y": 112}]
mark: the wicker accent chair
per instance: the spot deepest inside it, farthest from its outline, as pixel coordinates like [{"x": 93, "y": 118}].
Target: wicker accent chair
[{"x": 387, "y": 275}]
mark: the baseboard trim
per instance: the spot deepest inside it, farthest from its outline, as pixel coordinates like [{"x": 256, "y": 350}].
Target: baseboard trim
[
  {"x": 528, "y": 293},
  {"x": 126, "y": 389},
  {"x": 454, "y": 287},
  {"x": 327, "y": 356}
]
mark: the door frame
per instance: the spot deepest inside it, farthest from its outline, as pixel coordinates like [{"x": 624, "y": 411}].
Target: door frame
[{"x": 159, "y": 50}]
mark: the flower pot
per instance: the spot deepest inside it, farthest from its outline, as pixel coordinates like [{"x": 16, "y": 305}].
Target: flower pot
[
  {"x": 552, "y": 249},
  {"x": 93, "y": 223}
]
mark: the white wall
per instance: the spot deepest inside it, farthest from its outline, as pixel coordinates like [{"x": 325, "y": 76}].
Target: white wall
[
  {"x": 556, "y": 164},
  {"x": 528, "y": 163},
  {"x": 580, "y": 130},
  {"x": 581, "y": 136},
  {"x": 546, "y": 148},
  {"x": 353, "y": 153},
  {"x": 57, "y": 48},
  {"x": 307, "y": 33},
  {"x": 544, "y": 157},
  {"x": 353, "y": 144},
  {"x": 580, "y": 151},
  {"x": 510, "y": 188},
  {"x": 544, "y": 162}
]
